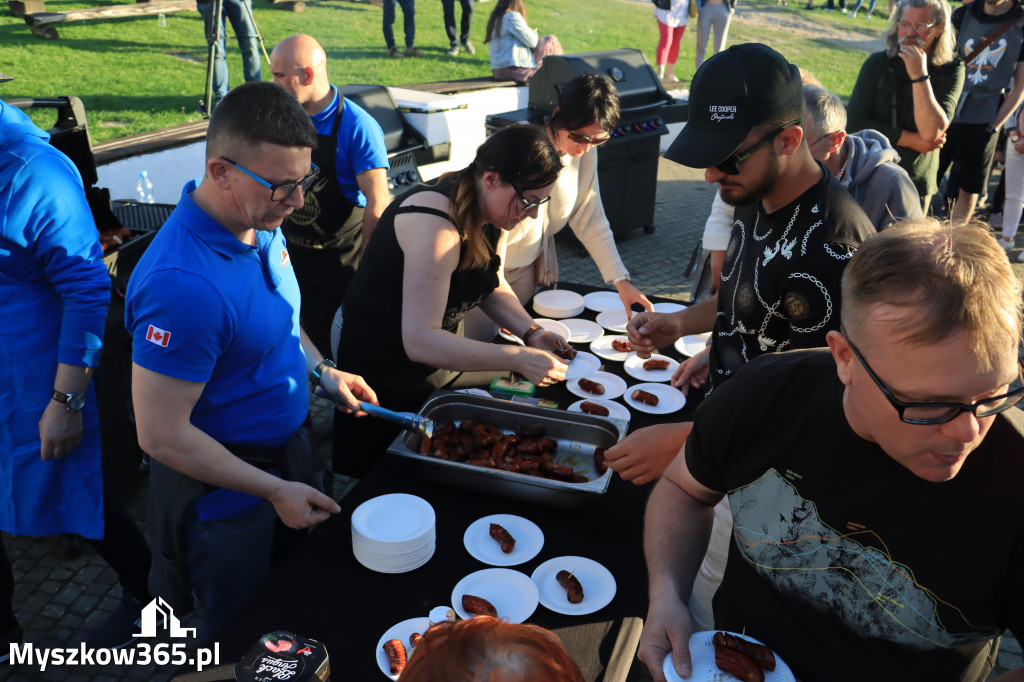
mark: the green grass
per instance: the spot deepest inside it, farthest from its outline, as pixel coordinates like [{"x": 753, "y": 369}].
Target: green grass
[{"x": 135, "y": 76}]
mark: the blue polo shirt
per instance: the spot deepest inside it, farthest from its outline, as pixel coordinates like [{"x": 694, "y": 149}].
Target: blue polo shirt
[
  {"x": 360, "y": 144},
  {"x": 204, "y": 307}
]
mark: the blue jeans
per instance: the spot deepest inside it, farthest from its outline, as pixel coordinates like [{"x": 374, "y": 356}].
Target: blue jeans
[
  {"x": 409, "y": 15},
  {"x": 448, "y": 8},
  {"x": 245, "y": 32},
  {"x": 227, "y": 559},
  {"x": 871, "y": 7}
]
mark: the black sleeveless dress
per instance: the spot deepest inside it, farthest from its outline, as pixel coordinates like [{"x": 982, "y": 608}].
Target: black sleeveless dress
[{"x": 371, "y": 335}]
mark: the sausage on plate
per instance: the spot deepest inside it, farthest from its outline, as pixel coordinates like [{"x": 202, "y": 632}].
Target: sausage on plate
[
  {"x": 591, "y": 386},
  {"x": 503, "y": 537},
  {"x": 396, "y": 655},
  {"x": 620, "y": 345},
  {"x": 478, "y": 606},
  {"x": 645, "y": 397},
  {"x": 573, "y": 588},
  {"x": 593, "y": 408},
  {"x": 655, "y": 364}
]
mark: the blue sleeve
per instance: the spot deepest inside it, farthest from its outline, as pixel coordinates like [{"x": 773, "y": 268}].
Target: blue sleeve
[
  {"x": 50, "y": 220},
  {"x": 361, "y": 148},
  {"x": 179, "y": 325},
  {"x": 515, "y": 24}
]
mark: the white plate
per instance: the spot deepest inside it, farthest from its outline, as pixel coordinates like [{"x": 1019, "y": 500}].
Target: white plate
[
  {"x": 615, "y": 410},
  {"x": 602, "y": 347},
  {"x": 702, "y": 656},
  {"x": 668, "y": 307},
  {"x": 582, "y": 331},
  {"x": 634, "y": 367},
  {"x": 482, "y": 547},
  {"x": 600, "y": 301},
  {"x": 558, "y": 303},
  {"x": 597, "y": 581},
  {"x": 511, "y": 593},
  {"x": 393, "y": 518},
  {"x": 670, "y": 399},
  {"x": 692, "y": 344},
  {"x": 399, "y": 631},
  {"x": 613, "y": 320},
  {"x": 554, "y": 326},
  {"x": 613, "y": 386},
  {"x": 583, "y": 365}
]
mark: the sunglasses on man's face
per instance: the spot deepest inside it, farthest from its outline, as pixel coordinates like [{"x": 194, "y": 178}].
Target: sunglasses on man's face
[{"x": 731, "y": 166}]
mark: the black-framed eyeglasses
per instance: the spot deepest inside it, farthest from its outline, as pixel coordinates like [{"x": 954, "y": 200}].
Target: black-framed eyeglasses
[
  {"x": 938, "y": 412},
  {"x": 280, "y": 191},
  {"x": 731, "y": 166},
  {"x": 579, "y": 138},
  {"x": 526, "y": 203},
  {"x": 918, "y": 28}
]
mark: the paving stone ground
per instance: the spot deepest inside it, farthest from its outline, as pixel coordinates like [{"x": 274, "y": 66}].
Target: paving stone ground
[{"x": 63, "y": 588}]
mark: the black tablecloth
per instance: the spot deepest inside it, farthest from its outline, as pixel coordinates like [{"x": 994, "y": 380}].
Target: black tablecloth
[{"x": 321, "y": 591}]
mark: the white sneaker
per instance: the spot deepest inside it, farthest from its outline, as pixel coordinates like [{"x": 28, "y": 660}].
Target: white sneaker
[{"x": 1007, "y": 244}]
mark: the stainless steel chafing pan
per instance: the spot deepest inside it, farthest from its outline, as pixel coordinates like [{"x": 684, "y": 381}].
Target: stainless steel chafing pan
[{"x": 578, "y": 435}]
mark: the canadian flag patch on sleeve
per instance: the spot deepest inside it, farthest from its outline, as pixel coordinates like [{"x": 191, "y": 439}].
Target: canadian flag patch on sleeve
[{"x": 158, "y": 336}]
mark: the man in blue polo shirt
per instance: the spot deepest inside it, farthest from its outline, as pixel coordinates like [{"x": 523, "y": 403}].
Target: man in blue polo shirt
[
  {"x": 220, "y": 361},
  {"x": 327, "y": 235}
]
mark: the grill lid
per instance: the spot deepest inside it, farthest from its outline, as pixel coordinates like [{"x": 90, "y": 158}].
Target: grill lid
[{"x": 627, "y": 68}]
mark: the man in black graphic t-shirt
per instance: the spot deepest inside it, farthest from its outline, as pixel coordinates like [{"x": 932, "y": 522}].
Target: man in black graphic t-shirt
[
  {"x": 878, "y": 526},
  {"x": 795, "y": 228}
]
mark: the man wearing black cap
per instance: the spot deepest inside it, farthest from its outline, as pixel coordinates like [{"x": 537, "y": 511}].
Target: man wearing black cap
[{"x": 795, "y": 226}]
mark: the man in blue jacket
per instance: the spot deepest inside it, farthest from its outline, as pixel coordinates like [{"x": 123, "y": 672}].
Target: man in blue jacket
[{"x": 54, "y": 292}]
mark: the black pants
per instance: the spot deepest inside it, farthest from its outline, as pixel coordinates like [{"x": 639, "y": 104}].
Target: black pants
[
  {"x": 123, "y": 547},
  {"x": 449, "y": 20}
]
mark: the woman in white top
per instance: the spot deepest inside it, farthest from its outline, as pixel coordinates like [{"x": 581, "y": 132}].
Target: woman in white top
[
  {"x": 516, "y": 50},
  {"x": 671, "y": 27},
  {"x": 587, "y": 113}
]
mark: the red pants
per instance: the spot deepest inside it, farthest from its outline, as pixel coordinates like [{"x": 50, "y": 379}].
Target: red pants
[{"x": 668, "y": 43}]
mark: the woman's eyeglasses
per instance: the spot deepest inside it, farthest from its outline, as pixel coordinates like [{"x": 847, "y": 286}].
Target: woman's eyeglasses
[
  {"x": 526, "y": 203},
  {"x": 583, "y": 139}
]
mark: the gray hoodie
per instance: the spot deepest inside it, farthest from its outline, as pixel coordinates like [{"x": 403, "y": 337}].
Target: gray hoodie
[{"x": 877, "y": 183}]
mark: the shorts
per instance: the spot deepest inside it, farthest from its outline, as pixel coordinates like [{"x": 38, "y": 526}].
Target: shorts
[{"x": 974, "y": 147}]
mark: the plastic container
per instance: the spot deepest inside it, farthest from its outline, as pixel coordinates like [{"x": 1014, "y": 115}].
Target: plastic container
[{"x": 144, "y": 188}]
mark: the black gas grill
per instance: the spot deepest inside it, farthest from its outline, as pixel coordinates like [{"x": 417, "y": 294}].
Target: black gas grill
[
  {"x": 407, "y": 148},
  {"x": 627, "y": 165}
]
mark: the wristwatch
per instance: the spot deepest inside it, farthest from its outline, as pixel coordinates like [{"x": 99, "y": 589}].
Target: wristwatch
[
  {"x": 319, "y": 369},
  {"x": 72, "y": 402}
]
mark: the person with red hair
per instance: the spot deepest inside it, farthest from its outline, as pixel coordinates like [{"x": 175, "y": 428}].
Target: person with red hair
[{"x": 485, "y": 649}]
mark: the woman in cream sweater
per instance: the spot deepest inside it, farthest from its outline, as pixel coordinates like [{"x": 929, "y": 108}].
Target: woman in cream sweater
[{"x": 587, "y": 113}]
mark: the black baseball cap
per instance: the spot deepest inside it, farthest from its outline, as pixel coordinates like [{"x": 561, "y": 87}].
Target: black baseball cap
[{"x": 731, "y": 93}]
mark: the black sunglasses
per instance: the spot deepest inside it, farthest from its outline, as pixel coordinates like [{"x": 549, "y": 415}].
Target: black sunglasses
[
  {"x": 940, "y": 413},
  {"x": 579, "y": 138},
  {"x": 527, "y": 204},
  {"x": 731, "y": 166},
  {"x": 283, "y": 190}
]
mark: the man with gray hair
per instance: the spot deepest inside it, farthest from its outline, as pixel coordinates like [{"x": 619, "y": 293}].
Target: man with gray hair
[
  {"x": 908, "y": 91},
  {"x": 864, "y": 163}
]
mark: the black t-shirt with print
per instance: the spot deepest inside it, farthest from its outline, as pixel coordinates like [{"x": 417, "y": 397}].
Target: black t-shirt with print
[
  {"x": 842, "y": 560},
  {"x": 780, "y": 279}
]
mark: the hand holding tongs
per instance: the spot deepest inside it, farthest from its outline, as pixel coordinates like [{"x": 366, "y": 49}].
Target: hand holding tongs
[{"x": 407, "y": 420}]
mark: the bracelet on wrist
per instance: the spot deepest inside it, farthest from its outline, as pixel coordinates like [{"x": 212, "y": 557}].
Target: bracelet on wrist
[
  {"x": 922, "y": 79},
  {"x": 534, "y": 328}
]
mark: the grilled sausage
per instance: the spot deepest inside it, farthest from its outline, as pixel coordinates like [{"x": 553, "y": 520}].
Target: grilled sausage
[
  {"x": 414, "y": 639},
  {"x": 396, "y": 655},
  {"x": 573, "y": 588},
  {"x": 594, "y": 408},
  {"x": 620, "y": 345},
  {"x": 654, "y": 364},
  {"x": 759, "y": 653},
  {"x": 591, "y": 386},
  {"x": 503, "y": 537},
  {"x": 599, "y": 460},
  {"x": 645, "y": 397},
  {"x": 478, "y": 606},
  {"x": 740, "y": 666},
  {"x": 567, "y": 354}
]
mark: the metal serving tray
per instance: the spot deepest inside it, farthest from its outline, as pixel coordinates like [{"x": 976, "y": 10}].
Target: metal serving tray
[{"x": 578, "y": 435}]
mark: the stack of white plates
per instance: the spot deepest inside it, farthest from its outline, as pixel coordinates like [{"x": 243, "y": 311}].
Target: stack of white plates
[{"x": 393, "y": 533}]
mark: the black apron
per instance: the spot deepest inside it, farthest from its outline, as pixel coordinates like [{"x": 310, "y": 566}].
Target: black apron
[{"x": 324, "y": 239}]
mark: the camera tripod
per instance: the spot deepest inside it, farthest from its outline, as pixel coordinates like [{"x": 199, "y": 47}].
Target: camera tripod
[{"x": 213, "y": 36}]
